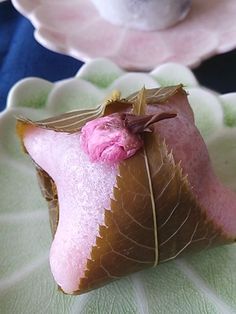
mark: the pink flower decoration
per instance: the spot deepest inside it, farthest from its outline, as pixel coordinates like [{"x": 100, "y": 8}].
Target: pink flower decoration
[{"x": 107, "y": 139}]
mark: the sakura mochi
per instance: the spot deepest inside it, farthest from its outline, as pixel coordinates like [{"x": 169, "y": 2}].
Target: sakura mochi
[
  {"x": 145, "y": 15},
  {"x": 129, "y": 185}
]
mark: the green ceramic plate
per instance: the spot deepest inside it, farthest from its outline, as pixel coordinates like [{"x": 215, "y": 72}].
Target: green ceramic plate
[{"x": 202, "y": 283}]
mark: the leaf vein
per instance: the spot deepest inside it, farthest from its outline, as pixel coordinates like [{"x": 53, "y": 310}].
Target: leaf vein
[{"x": 178, "y": 229}]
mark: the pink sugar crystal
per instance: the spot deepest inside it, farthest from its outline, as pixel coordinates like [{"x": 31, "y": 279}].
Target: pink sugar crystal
[{"x": 107, "y": 139}]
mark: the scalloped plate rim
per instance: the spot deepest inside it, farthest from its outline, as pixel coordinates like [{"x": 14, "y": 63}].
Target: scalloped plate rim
[
  {"x": 78, "y": 53},
  {"x": 180, "y": 263}
]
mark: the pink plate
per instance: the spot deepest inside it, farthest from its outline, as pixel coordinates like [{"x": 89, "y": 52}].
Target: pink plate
[{"x": 76, "y": 29}]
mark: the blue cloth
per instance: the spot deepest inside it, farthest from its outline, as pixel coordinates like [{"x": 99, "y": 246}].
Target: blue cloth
[{"x": 21, "y": 56}]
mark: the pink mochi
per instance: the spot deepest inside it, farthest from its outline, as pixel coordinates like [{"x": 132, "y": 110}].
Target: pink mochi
[
  {"x": 85, "y": 188},
  {"x": 82, "y": 186}
]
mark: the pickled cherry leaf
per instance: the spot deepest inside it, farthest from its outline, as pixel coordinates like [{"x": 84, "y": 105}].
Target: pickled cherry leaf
[
  {"x": 73, "y": 121},
  {"x": 154, "y": 217}
]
